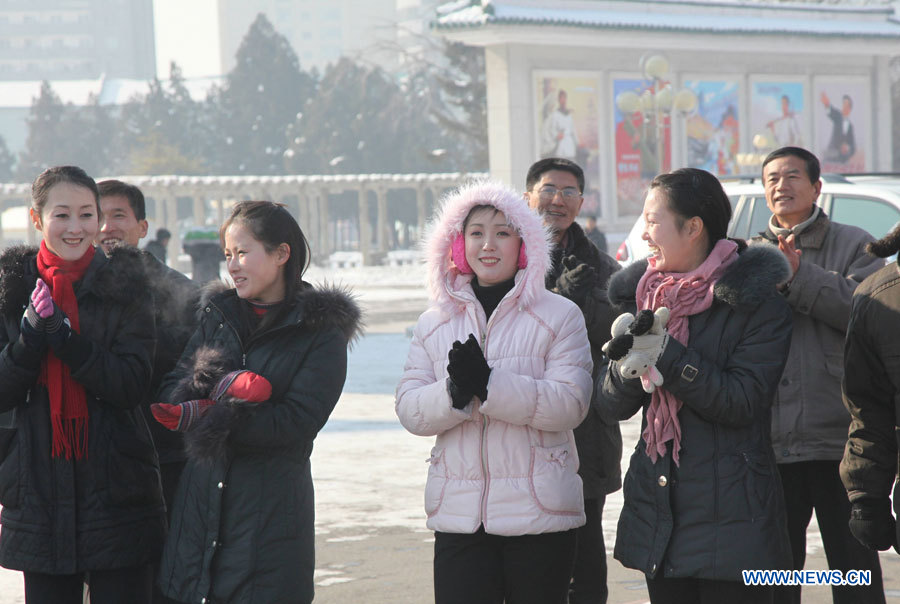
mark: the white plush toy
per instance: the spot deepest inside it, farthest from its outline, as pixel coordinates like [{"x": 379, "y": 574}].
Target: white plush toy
[{"x": 637, "y": 344}]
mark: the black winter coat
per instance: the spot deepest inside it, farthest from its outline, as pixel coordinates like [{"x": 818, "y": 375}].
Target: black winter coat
[
  {"x": 106, "y": 511},
  {"x": 722, "y": 510},
  {"x": 599, "y": 443},
  {"x": 175, "y": 302},
  {"x": 242, "y": 526},
  {"x": 871, "y": 389}
]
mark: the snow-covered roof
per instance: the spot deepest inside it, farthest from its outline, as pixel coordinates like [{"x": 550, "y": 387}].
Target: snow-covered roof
[
  {"x": 873, "y": 18},
  {"x": 113, "y": 91}
]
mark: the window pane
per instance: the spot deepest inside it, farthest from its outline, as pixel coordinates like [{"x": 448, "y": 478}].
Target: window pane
[
  {"x": 741, "y": 220},
  {"x": 759, "y": 221},
  {"x": 872, "y": 215}
]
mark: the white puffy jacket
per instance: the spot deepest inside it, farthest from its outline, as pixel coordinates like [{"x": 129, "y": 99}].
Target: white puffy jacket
[{"x": 508, "y": 463}]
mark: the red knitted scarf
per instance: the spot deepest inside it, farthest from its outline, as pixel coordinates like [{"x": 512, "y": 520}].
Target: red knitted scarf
[{"x": 68, "y": 403}]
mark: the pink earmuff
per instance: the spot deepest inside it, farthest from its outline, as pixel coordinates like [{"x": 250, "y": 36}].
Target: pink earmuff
[{"x": 458, "y": 255}]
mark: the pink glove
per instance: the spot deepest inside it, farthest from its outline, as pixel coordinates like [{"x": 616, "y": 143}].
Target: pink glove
[{"x": 42, "y": 300}]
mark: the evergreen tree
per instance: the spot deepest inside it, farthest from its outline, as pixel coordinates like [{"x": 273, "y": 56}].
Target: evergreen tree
[
  {"x": 6, "y": 162},
  {"x": 360, "y": 121},
  {"x": 261, "y": 97},
  {"x": 164, "y": 121},
  {"x": 451, "y": 84},
  {"x": 44, "y": 147}
]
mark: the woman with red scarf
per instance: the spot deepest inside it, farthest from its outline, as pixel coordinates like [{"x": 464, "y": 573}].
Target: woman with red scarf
[
  {"x": 79, "y": 477},
  {"x": 702, "y": 497}
]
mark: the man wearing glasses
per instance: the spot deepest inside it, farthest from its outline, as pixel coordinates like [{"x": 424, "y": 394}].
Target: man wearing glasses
[{"x": 580, "y": 272}]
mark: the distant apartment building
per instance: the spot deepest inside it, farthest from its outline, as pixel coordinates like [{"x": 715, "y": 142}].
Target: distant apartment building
[
  {"x": 76, "y": 39},
  {"x": 319, "y": 31}
]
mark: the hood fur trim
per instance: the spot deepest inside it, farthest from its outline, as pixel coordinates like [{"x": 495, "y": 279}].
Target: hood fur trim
[
  {"x": 121, "y": 278},
  {"x": 443, "y": 277},
  {"x": 321, "y": 307},
  {"x": 746, "y": 283}
]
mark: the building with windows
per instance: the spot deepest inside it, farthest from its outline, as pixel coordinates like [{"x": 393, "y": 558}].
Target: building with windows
[
  {"x": 631, "y": 88},
  {"x": 76, "y": 39}
]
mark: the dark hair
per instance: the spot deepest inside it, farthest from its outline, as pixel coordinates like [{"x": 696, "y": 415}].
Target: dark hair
[
  {"x": 51, "y": 177},
  {"x": 693, "y": 192},
  {"x": 163, "y": 233},
  {"x": 813, "y": 170},
  {"x": 130, "y": 192},
  {"x": 542, "y": 166},
  {"x": 272, "y": 225}
]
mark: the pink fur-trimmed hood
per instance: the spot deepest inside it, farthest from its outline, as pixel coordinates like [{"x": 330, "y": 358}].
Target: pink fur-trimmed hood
[{"x": 443, "y": 276}]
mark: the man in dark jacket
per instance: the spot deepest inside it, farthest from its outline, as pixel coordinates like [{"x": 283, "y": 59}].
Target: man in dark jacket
[
  {"x": 157, "y": 247},
  {"x": 580, "y": 272},
  {"x": 175, "y": 299},
  {"x": 871, "y": 391},
  {"x": 809, "y": 422}
]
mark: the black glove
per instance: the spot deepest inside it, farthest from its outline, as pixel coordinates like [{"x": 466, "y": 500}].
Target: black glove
[
  {"x": 32, "y": 329},
  {"x": 872, "y": 523},
  {"x": 57, "y": 328},
  {"x": 468, "y": 367},
  {"x": 458, "y": 397},
  {"x": 576, "y": 280}
]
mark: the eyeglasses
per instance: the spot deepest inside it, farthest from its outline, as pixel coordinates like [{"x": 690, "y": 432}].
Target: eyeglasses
[{"x": 568, "y": 194}]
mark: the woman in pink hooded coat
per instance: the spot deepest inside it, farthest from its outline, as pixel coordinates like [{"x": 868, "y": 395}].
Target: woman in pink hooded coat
[{"x": 499, "y": 370}]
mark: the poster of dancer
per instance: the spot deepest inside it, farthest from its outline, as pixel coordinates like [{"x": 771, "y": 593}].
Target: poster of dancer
[
  {"x": 713, "y": 131},
  {"x": 568, "y": 124},
  {"x": 841, "y": 123},
  {"x": 640, "y": 142},
  {"x": 778, "y": 114}
]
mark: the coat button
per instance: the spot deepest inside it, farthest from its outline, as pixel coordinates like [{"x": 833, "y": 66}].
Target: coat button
[
  {"x": 221, "y": 485},
  {"x": 653, "y": 570},
  {"x": 662, "y": 481},
  {"x": 202, "y": 600},
  {"x": 785, "y": 382},
  {"x": 207, "y": 310},
  {"x": 215, "y": 543}
]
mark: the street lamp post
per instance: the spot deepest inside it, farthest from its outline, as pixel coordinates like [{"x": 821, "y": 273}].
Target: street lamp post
[{"x": 656, "y": 103}]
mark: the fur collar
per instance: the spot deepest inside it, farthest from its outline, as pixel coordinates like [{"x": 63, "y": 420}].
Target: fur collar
[
  {"x": 746, "y": 283},
  {"x": 120, "y": 278},
  {"x": 320, "y": 307},
  {"x": 444, "y": 280}
]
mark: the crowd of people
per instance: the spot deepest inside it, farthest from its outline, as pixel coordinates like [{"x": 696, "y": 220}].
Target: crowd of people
[{"x": 155, "y": 433}]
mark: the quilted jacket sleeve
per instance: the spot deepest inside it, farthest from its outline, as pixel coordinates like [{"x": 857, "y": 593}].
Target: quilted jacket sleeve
[
  {"x": 559, "y": 399},
  {"x": 422, "y": 401}
]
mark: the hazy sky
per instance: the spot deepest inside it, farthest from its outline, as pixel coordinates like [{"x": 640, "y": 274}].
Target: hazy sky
[{"x": 187, "y": 32}]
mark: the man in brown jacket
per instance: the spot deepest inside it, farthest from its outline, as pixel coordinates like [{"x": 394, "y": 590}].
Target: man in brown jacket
[{"x": 809, "y": 422}]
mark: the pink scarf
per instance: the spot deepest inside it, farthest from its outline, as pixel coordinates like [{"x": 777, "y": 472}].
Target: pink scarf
[{"x": 684, "y": 294}]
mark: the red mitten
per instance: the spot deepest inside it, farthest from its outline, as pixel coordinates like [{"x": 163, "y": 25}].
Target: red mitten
[
  {"x": 243, "y": 385},
  {"x": 179, "y": 417}
]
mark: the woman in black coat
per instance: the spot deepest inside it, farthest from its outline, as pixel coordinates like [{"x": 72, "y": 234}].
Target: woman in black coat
[
  {"x": 702, "y": 497},
  {"x": 79, "y": 477},
  {"x": 242, "y": 528}
]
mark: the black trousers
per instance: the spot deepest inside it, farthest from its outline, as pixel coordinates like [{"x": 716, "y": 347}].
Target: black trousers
[
  {"x": 817, "y": 485},
  {"x": 706, "y": 591},
  {"x": 132, "y": 585},
  {"x": 589, "y": 578},
  {"x": 490, "y": 569}
]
